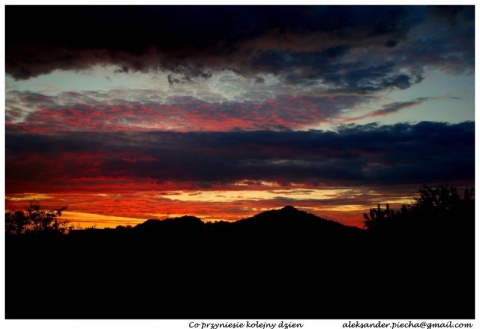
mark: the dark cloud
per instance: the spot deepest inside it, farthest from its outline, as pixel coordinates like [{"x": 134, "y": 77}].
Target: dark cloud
[
  {"x": 122, "y": 69},
  {"x": 397, "y": 106},
  {"x": 391, "y": 108},
  {"x": 453, "y": 14},
  {"x": 354, "y": 156},
  {"x": 259, "y": 80},
  {"x": 391, "y": 43},
  {"x": 135, "y": 28},
  {"x": 300, "y": 44},
  {"x": 366, "y": 77},
  {"x": 276, "y": 61}
]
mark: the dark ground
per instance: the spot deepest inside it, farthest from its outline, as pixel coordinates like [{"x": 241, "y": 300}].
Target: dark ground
[{"x": 283, "y": 264}]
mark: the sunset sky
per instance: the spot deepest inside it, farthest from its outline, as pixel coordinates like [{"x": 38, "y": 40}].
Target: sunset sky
[{"x": 126, "y": 113}]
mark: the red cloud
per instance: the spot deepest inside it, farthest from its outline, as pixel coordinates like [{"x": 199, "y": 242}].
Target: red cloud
[{"x": 77, "y": 112}]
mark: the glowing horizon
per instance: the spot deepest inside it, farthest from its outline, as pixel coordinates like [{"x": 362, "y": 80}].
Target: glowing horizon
[{"x": 85, "y": 210}]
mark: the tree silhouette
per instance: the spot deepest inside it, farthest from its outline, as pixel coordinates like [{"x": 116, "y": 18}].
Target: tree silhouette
[
  {"x": 35, "y": 220},
  {"x": 16, "y": 222},
  {"x": 443, "y": 201},
  {"x": 379, "y": 218},
  {"x": 433, "y": 206}
]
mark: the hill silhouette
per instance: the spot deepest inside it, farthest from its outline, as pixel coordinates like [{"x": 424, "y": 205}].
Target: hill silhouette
[
  {"x": 288, "y": 217},
  {"x": 169, "y": 223},
  {"x": 283, "y": 263}
]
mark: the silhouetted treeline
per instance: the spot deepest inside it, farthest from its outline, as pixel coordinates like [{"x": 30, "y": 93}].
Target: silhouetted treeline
[{"x": 280, "y": 264}]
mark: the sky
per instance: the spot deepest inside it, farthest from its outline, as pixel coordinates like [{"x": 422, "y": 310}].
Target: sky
[{"x": 126, "y": 113}]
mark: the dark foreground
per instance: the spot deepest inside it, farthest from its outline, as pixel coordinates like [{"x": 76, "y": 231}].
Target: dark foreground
[{"x": 282, "y": 264}]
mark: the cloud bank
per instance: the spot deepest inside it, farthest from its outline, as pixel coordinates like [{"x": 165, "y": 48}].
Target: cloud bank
[
  {"x": 353, "y": 156},
  {"x": 361, "y": 49}
]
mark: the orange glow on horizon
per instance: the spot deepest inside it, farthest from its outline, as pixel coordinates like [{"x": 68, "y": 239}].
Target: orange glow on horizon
[
  {"x": 87, "y": 220},
  {"x": 82, "y": 220},
  {"x": 110, "y": 208}
]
